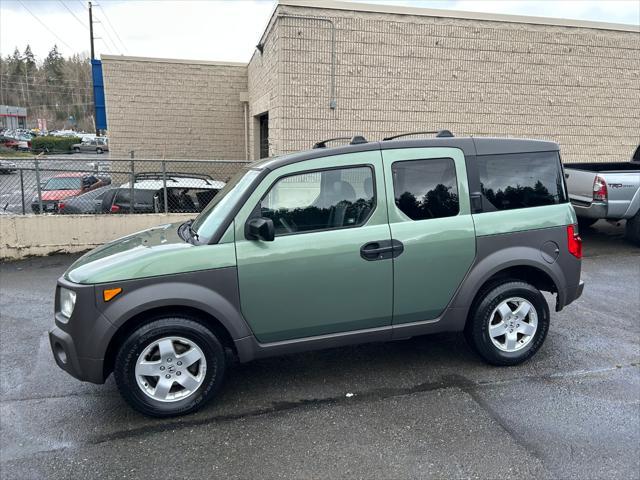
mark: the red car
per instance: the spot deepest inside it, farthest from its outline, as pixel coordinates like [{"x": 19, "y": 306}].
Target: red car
[
  {"x": 9, "y": 142},
  {"x": 63, "y": 186}
]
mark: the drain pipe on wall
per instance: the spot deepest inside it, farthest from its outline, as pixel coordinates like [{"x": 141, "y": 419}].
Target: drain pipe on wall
[
  {"x": 332, "y": 96},
  {"x": 244, "y": 98}
]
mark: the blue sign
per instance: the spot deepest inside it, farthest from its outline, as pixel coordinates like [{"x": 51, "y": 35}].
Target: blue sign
[{"x": 98, "y": 95}]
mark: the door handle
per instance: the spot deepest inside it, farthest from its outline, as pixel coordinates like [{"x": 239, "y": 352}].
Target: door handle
[{"x": 381, "y": 250}]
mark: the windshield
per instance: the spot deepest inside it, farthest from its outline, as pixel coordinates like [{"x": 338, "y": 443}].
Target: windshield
[
  {"x": 206, "y": 224},
  {"x": 64, "y": 183}
]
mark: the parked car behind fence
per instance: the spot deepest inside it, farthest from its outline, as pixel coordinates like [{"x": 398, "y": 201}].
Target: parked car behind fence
[
  {"x": 57, "y": 184},
  {"x": 185, "y": 193}
]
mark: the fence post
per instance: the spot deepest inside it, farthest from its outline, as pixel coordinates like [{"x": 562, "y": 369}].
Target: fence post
[
  {"x": 37, "y": 165},
  {"x": 131, "y": 182},
  {"x": 22, "y": 191},
  {"x": 164, "y": 186}
]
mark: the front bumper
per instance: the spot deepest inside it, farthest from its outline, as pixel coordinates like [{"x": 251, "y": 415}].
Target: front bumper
[
  {"x": 66, "y": 356},
  {"x": 79, "y": 344}
]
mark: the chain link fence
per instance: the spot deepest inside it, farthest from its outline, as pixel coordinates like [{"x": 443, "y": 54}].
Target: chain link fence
[{"x": 113, "y": 185}]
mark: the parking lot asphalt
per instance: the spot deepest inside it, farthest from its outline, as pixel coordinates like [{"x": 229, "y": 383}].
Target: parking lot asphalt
[{"x": 421, "y": 408}]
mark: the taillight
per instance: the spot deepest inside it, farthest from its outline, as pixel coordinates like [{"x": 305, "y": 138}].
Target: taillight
[
  {"x": 114, "y": 209},
  {"x": 600, "y": 189},
  {"x": 574, "y": 242},
  {"x": 60, "y": 206}
]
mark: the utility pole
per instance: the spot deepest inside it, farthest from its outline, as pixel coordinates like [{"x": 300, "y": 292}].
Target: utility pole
[{"x": 93, "y": 56}]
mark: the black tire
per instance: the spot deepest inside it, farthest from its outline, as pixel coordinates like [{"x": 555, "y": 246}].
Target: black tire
[
  {"x": 76, "y": 150},
  {"x": 586, "y": 222},
  {"x": 477, "y": 328},
  {"x": 632, "y": 230},
  {"x": 99, "y": 150},
  {"x": 137, "y": 342}
]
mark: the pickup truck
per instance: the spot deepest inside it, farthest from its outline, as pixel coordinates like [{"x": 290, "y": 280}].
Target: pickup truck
[{"x": 607, "y": 190}]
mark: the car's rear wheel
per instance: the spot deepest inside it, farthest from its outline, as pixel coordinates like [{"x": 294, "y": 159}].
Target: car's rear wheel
[
  {"x": 586, "y": 222},
  {"x": 76, "y": 150},
  {"x": 99, "y": 150},
  {"x": 632, "y": 230},
  {"x": 171, "y": 366},
  {"x": 508, "y": 323}
]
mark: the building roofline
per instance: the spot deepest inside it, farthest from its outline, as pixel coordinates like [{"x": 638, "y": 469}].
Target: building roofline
[
  {"x": 433, "y": 12},
  {"x": 171, "y": 60}
]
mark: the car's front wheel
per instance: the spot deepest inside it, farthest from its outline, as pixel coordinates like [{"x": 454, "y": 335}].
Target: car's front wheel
[
  {"x": 76, "y": 150},
  {"x": 508, "y": 323},
  {"x": 170, "y": 366}
]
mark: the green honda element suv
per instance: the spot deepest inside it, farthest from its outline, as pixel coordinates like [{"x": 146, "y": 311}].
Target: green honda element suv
[{"x": 371, "y": 241}]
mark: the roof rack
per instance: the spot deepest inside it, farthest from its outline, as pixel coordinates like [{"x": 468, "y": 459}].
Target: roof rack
[
  {"x": 355, "y": 140},
  {"x": 170, "y": 176},
  {"x": 439, "y": 133}
]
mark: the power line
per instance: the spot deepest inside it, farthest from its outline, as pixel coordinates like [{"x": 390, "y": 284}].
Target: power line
[
  {"x": 74, "y": 15},
  {"x": 107, "y": 43},
  {"x": 112, "y": 28},
  {"x": 45, "y": 25},
  {"x": 111, "y": 41}
]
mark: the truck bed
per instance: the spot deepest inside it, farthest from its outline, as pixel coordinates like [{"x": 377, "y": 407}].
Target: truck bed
[{"x": 604, "y": 167}]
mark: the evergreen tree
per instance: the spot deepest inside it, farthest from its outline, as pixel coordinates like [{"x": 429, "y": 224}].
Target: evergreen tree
[{"x": 54, "y": 89}]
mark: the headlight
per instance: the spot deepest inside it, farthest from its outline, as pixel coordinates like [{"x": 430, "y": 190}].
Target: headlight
[{"x": 67, "y": 302}]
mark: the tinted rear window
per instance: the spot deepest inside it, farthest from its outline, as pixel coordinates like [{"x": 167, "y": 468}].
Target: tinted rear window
[
  {"x": 141, "y": 196},
  {"x": 426, "y": 189},
  {"x": 521, "y": 180}
]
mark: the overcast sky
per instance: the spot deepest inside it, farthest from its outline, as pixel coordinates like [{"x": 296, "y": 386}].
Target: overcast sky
[{"x": 225, "y": 30}]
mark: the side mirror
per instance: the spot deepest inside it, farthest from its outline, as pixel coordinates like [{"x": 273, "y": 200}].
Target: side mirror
[{"x": 261, "y": 229}]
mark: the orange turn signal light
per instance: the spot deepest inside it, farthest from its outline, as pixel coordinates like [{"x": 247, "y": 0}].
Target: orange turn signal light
[{"x": 109, "y": 293}]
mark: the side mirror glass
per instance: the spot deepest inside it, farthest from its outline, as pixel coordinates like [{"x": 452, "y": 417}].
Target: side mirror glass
[{"x": 261, "y": 229}]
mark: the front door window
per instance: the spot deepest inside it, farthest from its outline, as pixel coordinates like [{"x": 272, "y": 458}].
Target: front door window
[{"x": 321, "y": 200}]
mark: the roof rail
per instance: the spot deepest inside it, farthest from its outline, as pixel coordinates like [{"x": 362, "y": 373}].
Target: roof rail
[
  {"x": 171, "y": 176},
  {"x": 355, "y": 140},
  {"x": 439, "y": 133}
]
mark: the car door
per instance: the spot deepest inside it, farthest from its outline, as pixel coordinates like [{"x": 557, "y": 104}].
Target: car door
[
  {"x": 313, "y": 278},
  {"x": 429, "y": 213}
]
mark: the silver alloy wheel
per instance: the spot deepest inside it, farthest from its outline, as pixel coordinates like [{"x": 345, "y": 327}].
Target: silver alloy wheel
[
  {"x": 513, "y": 324},
  {"x": 171, "y": 369}
]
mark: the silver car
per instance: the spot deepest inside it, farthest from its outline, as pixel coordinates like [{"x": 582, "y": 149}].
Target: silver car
[
  {"x": 97, "y": 145},
  {"x": 7, "y": 167}
]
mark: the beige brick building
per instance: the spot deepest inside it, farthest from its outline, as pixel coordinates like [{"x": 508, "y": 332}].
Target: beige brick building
[{"x": 328, "y": 69}]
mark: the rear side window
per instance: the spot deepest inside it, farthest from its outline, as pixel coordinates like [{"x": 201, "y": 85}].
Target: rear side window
[
  {"x": 521, "y": 180},
  {"x": 425, "y": 189},
  {"x": 140, "y": 196}
]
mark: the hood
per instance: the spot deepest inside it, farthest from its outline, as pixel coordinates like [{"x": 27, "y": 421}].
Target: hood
[
  {"x": 58, "y": 194},
  {"x": 152, "y": 252}
]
